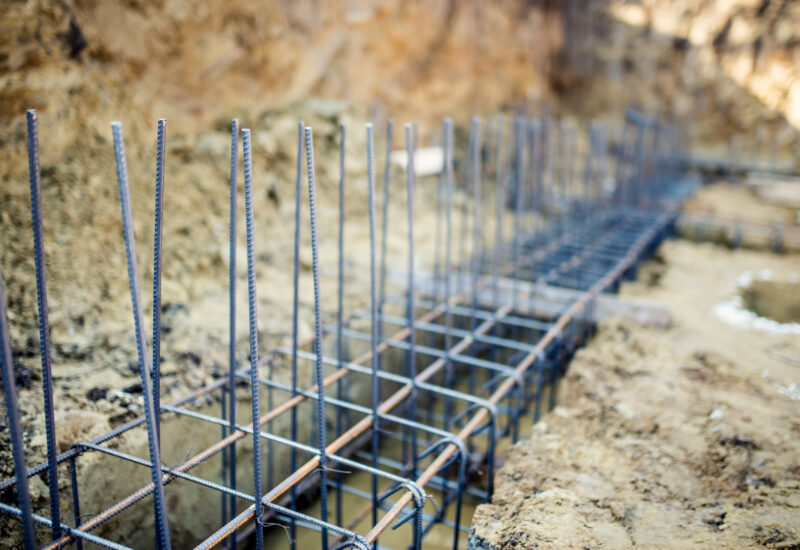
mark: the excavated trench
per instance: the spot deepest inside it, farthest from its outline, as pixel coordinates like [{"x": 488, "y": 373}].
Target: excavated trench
[{"x": 195, "y": 511}]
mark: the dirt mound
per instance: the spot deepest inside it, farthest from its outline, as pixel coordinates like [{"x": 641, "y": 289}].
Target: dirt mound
[
  {"x": 686, "y": 437},
  {"x": 651, "y": 448}
]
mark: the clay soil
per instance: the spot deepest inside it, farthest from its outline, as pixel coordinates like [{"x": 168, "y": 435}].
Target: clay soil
[{"x": 673, "y": 438}]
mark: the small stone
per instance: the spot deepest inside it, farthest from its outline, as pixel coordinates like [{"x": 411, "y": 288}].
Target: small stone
[
  {"x": 133, "y": 388},
  {"x": 617, "y": 510},
  {"x": 95, "y": 394}
]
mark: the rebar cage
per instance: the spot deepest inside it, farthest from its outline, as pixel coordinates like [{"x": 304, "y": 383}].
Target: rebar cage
[{"x": 411, "y": 398}]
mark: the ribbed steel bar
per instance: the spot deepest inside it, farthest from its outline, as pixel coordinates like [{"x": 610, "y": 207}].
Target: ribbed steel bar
[
  {"x": 252, "y": 303},
  {"x": 14, "y": 427},
  {"x": 437, "y": 242},
  {"x": 44, "y": 322},
  {"x": 499, "y": 207},
  {"x": 162, "y": 525},
  {"x": 448, "y": 208},
  {"x": 157, "y": 247},
  {"x": 411, "y": 312},
  {"x": 475, "y": 130},
  {"x": 232, "y": 223},
  {"x": 374, "y": 327},
  {"x": 519, "y": 167},
  {"x": 387, "y": 179},
  {"x": 64, "y": 528},
  {"x": 340, "y": 315},
  {"x": 321, "y": 432},
  {"x": 295, "y": 313},
  {"x": 463, "y": 210}
]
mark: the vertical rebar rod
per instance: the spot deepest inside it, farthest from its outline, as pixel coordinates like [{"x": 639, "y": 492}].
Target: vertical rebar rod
[
  {"x": 44, "y": 319},
  {"x": 223, "y": 404},
  {"x": 499, "y": 205},
  {"x": 550, "y": 159},
  {"x": 596, "y": 145},
  {"x": 76, "y": 501},
  {"x": 448, "y": 375},
  {"x": 409, "y": 149},
  {"x": 477, "y": 230},
  {"x": 620, "y": 161},
  {"x": 373, "y": 324},
  {"x": 270, "y": 425},
  {"x": 563, "y": 159},
  {"x": 475, "y": 131},
  {"x": 652, "y": 159},
  {"x": 253, "y": 326},
  {"x": 530, "y": 180},
  {"x": 410, "y": 307},
  {"x": 14, "y": 426},
  {"x": 323, "y": 461},
  {"x": 572, "y": 156},
  {"x": 588, "y": 168},
  {"x": 387, "y": 176},
  {"x": 437, "y": 262},
  {"x": 487, "y": 164},
  {"x": 638, "y": 167},
  {"x": 537, "y": 134},
  {"x": 597, "y": 176},
  {"x": 519, "y": 136},
  {"x": 225, "y": 455},
  {"x": 448, "y": 316},
  {"x": 464, "y": 212},
  {"x": 339, "y": 320},
  {"x": 603, "y": 170},
  {"x": 531, "y": 130},
  {"x": 157, "y": 242},
  {"x": 295, "y": 306},
  {"x": 232, "y": 323},
  {"x": 162, "y": 525}
]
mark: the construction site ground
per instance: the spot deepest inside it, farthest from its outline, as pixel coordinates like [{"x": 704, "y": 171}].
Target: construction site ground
[{"x": 669, "y": 438}]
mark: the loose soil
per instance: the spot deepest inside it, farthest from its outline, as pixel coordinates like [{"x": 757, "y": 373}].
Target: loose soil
[{"x": 685, "y": 437}]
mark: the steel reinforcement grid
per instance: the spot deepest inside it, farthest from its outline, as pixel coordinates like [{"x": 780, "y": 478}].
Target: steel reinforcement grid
[{"x": 415, "y": 394}]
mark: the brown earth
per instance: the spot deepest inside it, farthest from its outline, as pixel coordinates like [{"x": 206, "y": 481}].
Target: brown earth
[{"x": 685, "y": 437}]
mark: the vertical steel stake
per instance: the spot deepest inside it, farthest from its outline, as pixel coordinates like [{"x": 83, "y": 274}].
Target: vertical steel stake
[
  {"x": 252, "y": 303},
  {"x": 44, "y": 322},
  {"x": 162, "y": 525}
]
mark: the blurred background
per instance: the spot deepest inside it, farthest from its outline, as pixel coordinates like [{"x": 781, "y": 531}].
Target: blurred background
[{"x": 729, "y": 70}]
